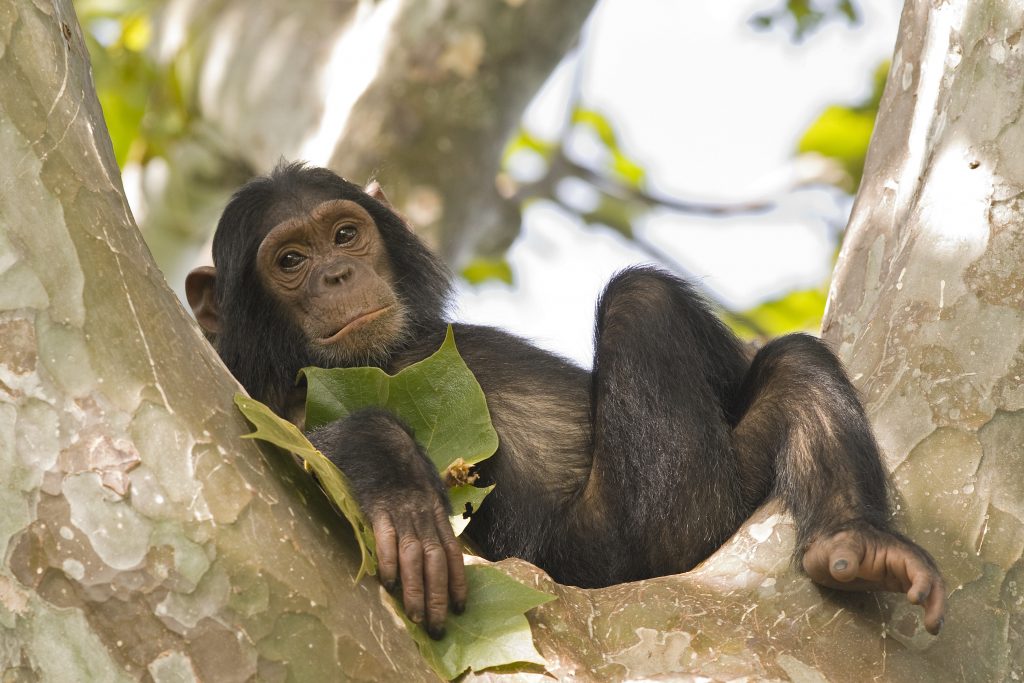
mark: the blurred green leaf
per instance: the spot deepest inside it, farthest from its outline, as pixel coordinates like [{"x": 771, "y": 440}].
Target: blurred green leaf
[
  {"x": 88, "y": 9},
  {"x": 599, "y": 123},
  {"x": 483, "y": 270},
  {"x": 802, "y": 17},
  {"x": 627, "y": 170},
  {"x": 849, "y": 10},
  {"x": 283, "y": 434},
  {"x": 622, "y": 167},
  {"x": 142, "y": 102},
  {"x": 136, "y": 33},
  {"x": 439, "y": 398},
  {"x": 493, "y": 630},
  {"x": 843, "y": 133},
  {"x": 526, "y": 141},
  {"x": 617, "y": 214},
  {"x": 798, "y": 311}
]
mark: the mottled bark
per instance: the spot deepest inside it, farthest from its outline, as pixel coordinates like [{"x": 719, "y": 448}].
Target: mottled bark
[
  {"x": 928, "y": 312},
  {"x": 140, "y": 537}
]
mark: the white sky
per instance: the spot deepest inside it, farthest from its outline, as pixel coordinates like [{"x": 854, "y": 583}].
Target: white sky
[{"x": 712, "y": 109}]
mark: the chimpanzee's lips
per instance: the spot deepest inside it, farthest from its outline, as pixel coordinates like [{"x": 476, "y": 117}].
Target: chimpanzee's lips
[{"x": 354, "y": 324}]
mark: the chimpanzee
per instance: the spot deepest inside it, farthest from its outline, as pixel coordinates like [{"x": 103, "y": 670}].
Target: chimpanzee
[{"x": 641, "y": 467}]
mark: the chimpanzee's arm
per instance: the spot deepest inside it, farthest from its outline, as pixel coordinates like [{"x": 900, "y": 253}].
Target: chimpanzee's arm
[{"x": 401, "y": 494}]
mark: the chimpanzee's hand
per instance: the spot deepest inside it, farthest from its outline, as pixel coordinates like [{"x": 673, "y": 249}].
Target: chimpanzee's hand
[
  {"x": 401, "y": 493},
  {"x": 416, "y": 544}
]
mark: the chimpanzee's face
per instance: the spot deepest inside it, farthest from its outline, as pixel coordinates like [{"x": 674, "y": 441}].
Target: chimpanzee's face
[{"x": 326, "y": 263}]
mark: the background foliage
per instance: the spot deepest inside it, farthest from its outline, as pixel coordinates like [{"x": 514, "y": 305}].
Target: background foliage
[{"x": 149, "y": 106}]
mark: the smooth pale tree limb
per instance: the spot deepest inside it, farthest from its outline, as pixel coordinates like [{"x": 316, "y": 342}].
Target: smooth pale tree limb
[
  {"x": 927, "y": 310},
  {"x": 139, "y": 534},
  {"x": 142, "y": 537}
]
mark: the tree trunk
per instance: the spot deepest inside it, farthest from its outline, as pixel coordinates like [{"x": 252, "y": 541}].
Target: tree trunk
[
  {"x": 422, "y": 95},
  {"x": 927, "y": 310},
  {"x": 140, "y": 536}
]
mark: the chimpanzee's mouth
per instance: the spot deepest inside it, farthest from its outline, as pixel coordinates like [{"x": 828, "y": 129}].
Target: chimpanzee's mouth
[{"x": 354, "y": 324}]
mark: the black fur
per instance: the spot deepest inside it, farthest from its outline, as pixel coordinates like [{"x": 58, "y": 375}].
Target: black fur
[
  {"x": 640, "y": 468},
  {"x": 258, "y": 343}
]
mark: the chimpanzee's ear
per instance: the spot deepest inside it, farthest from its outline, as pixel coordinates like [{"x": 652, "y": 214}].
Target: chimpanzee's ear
[
  {"x": 374, "y": 190},
  {"x": 200, "y": 290}
]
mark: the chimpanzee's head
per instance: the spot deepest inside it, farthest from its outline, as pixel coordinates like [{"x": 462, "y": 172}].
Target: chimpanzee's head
[{"x": 310, "y": 269}]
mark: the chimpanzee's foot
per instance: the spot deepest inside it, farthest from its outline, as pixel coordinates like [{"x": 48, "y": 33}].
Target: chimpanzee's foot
[{"x": 872, "y": 560}]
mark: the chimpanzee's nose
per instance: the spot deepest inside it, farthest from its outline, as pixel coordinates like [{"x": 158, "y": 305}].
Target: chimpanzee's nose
[{"x": 337, "y": 274}]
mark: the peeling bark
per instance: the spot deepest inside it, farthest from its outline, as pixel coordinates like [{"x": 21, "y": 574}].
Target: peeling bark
[
  {"x": 140, "y": 537},
  {"x": 927, "y": 310}
]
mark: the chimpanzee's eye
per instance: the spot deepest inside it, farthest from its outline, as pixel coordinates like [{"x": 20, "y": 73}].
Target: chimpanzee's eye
[
  {"x": 344, "y": 234},
  {"x": 290, "y": 260}
]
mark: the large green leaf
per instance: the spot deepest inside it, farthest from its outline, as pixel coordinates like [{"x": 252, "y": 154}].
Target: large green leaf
[
  {"x": 465, "y": 501},
  {"x": 438, "y": 397},
  {"x": 285, "y": 435},
  {"x": 441, "y": 400},
  {"x": 493, "y": 630}
]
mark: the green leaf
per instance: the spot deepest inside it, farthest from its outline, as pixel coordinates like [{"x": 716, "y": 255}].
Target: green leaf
[
  {"x": 465, "y": 501},
  {"x": 493, "y": 630},
  {"x": 627, "y": 170},
  {"x": 799, "y": 311},
  {"x": 802, "y": 17},
  {"x": 443, "y": 403},
  {"x": 843, "y": 134},
  {"x": 849, "y": 10},
  {"x": 439, "y": 398},
  {"x": 285, "y": 435},
  {"x": 599, "y": 123},
  {"x": 615, "y": 213},
  {"x": 525, "y": 141},
  {"x": 621, "y": 166},
  {"x": 484, "y": 269}
]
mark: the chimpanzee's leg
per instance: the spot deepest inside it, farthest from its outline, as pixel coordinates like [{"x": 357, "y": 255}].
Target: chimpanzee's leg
[
  {"x": 802, "y": 421},
  {"x": 664, "y": 474},
  {"x": 687, "y": 442}
]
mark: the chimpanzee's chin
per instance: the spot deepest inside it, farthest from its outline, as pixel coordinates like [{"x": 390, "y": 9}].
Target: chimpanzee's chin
[{"x": 344, "y": 356}]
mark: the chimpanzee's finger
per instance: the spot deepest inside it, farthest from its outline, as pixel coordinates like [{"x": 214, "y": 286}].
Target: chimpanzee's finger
[
  {"x": 935, "y": 607},
  {"x": 435, "y": 578},
  {"x": 387, "y": 550},
  {"x": 410, "y": 567},
  {"x": 457, "y": 589}
]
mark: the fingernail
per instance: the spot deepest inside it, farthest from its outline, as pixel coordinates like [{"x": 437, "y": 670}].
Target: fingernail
[
  {"x": 436, "y": 633},
  {"x": 459, "y": 607},
  {"x": 416, "y": 618},
  {"x": 840, "y": 565},
  {"x": 389, "y": 586},
  {"x": 941, "y": 622}
]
